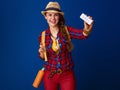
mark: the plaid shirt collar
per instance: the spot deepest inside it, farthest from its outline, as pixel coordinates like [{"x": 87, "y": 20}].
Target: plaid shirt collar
[{"x": 49, "y": 33}]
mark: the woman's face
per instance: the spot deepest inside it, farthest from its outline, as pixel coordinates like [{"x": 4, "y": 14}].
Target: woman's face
[{"x": 52, "y": 18}]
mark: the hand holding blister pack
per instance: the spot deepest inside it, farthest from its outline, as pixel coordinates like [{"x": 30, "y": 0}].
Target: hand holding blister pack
[{"x": 86, "y": 18}]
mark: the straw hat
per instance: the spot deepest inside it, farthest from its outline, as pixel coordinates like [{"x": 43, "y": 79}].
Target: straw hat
[{"x": 52, "y": 7}]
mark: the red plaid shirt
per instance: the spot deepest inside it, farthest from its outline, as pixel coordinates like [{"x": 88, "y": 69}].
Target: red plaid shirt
[{"x": 64, "y": 59}]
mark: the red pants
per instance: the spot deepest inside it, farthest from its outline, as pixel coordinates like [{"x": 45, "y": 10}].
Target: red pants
[{"x": 66, "y": 81}]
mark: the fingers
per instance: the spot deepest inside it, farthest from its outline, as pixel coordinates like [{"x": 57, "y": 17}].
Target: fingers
[
  {"x": 91, "y": 19},
  {"x": 88, "y": 27},
  {"x": 41, "y": 49},
  {"x": 41, "y": 46}
]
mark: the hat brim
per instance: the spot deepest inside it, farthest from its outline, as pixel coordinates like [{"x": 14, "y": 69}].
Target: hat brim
[{"x": 53, "y": 11}]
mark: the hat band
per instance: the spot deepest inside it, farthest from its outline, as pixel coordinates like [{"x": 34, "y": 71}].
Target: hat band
[{"x": 56, "y": 9}]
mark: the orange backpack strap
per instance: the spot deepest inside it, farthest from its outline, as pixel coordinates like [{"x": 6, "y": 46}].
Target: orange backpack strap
[{"x": 43, "y": 43}]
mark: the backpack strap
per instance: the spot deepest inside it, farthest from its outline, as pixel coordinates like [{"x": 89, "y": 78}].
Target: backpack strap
[{"x": 43, "y": 43}]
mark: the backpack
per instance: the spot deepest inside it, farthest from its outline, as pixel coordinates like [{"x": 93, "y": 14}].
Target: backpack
[{"x": 43, "y": 41}]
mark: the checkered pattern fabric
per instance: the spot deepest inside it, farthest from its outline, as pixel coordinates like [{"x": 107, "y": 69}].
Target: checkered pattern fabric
[{"x": 63, "y": 59}]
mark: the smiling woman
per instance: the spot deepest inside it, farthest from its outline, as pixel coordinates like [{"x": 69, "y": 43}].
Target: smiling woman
[
  {"x": 52, "y": 18},
  {"x": 58, "y": 47},
  {"x": 97, "y": 59}
]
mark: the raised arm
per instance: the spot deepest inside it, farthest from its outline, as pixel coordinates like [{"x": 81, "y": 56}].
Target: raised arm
[{"x": 80, "y": 33}]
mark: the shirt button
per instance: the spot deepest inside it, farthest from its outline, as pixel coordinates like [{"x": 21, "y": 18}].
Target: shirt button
[{"x": 58, "y": 65}]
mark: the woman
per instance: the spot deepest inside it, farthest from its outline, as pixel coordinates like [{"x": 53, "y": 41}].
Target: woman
[{"x": 59, "y": 65}]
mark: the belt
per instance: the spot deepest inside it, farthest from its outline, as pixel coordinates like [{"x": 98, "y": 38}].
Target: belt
[{"x": 53, "y": 72}]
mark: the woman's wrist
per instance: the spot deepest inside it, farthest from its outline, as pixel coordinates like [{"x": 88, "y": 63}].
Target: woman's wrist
[{"x": 86, "y": 32}]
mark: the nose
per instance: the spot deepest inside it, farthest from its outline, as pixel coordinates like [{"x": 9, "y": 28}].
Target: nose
[{"x": 53, "y": 17}]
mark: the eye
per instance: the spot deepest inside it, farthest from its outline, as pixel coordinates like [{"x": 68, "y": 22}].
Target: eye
[
  {"x": 56, "y": 14},
  {"x": 49, "y": 14}
]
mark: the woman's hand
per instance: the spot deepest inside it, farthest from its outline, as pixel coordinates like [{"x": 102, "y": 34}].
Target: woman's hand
[
  {"x": 87, "y": 28},
  {"x": 41, "y": 51}
]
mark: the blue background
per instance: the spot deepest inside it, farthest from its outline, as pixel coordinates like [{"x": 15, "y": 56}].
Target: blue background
[{"x": 96, "y": 58}]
